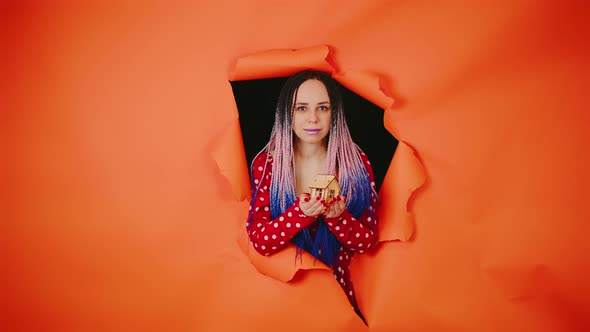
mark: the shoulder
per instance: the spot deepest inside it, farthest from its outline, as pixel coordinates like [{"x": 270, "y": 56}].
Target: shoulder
[
  {"x": 364, "y": 158},
  {"x": 366, "y": 163},
  {"x": 261, "y": 164},
  {"x": 261, "y": 159}
]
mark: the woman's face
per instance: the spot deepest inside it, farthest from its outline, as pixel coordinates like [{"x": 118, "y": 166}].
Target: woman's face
[{"x": 312, "y": 113}]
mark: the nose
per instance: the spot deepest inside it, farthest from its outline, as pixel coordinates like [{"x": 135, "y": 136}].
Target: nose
[{"x": 313, "y": 116}]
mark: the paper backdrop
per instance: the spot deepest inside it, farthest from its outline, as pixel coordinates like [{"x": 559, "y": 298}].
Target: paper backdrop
[{"x": 118, "y": 212}]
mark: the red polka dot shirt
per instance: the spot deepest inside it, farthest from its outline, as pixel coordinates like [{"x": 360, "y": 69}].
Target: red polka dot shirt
[{"x": 269, "y": 236}]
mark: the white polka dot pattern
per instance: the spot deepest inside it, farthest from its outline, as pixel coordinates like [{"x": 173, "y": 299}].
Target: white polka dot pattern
[
  {"x": 356, "y": 235},
  {"x": 272, "y": 235}
]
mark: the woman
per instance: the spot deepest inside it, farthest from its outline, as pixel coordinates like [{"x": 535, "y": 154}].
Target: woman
[{"x": 310, "y": 137}]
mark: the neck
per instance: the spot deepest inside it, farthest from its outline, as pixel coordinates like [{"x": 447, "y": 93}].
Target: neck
[{"x": 309, "y": 151}]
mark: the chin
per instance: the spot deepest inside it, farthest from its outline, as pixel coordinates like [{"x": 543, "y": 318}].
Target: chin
[
  {"x": 312, "y": 139},
  {"x": 316, "y": 141}
]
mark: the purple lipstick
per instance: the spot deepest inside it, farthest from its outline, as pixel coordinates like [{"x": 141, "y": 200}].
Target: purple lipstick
[{"x": 312, "y": 131}]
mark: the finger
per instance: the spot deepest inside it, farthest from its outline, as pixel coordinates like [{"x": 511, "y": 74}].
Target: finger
[
  {"x": 305, "y": 197},
  {"x": 330, "y": 211},
  {"x": 320, "y": 208},
  {"x": 331, "y": 202},
  {"x": 338, "y": 198},
  {"x": 310, "y": 202},
  {"x": 316, "y": 203},
  {"x": 307, "y": 207},
  {"x": 313, "y": 213},
  {"x": 311, "y": 208},
  {"x": 341, "y": 205},
  {"x": 320, "y": 205},
  {"x": 336, "y": 210}
]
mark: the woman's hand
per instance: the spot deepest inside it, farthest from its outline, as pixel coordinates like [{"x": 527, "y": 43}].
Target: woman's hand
[
  {"x": 336, "y": 207},
  {"x": 311, "y": 206}
]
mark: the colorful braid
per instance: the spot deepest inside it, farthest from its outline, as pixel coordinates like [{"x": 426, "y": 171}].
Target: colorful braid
[{"x": 343, "y": 158}]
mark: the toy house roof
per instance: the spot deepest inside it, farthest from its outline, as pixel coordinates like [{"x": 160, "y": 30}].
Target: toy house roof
[{"x": 323, "y": 180}]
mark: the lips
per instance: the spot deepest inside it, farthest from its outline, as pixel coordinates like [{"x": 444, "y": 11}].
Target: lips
[{"x": 312, "y": 131}]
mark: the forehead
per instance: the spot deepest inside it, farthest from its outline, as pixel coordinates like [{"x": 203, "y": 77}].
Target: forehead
[{"x": 312, "y": 91}]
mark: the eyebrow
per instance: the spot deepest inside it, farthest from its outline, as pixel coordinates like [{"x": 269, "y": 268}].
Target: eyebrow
[{"x": 321, "y": 102}]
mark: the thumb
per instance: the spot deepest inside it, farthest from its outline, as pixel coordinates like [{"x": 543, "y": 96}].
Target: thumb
[{"x": 305, "y": 197}]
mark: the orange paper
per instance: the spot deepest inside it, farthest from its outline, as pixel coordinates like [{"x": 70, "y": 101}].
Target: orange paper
[
  {"x": 405, "y": 174},
  {"x": 123, "y": 188},
  {"x": 280, "y": 63}
]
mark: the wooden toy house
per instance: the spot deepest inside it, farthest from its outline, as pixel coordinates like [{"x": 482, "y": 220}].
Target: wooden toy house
[{"x": 326, "y": 186}]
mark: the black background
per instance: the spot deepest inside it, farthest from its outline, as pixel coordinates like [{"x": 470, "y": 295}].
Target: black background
[{"x": 256, "y": 101}]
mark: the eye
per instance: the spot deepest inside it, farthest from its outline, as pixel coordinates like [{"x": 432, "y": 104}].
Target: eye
[
  {"x": 300, "y": 108},
  {"x": 324, "y": 108}
]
